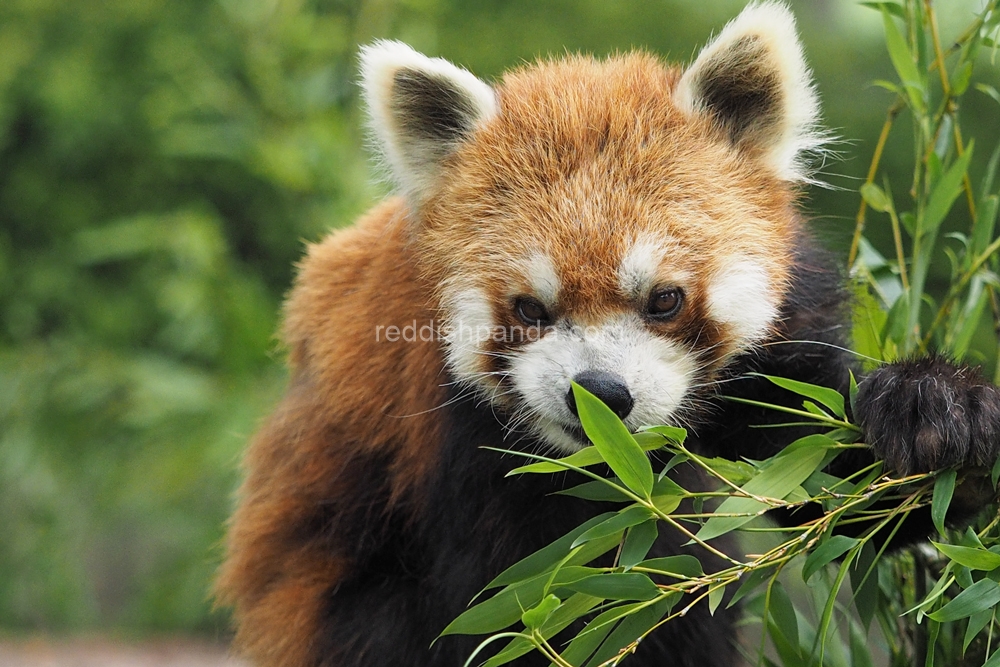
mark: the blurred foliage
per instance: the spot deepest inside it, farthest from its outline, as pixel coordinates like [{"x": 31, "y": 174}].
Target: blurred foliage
[{"x": 161, "y": 164}]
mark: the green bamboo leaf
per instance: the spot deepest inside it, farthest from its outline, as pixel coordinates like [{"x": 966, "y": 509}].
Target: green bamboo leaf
[
  {"x": 585, "y": 643},
  {"x": 638, "y": 542},
  {"x": 540, "y": 613},
  {"x": 975, "y": 558},
  {"x": 785, "y": 472},
  {"x": 595, "y": 490},
  {"x": 831, "y": 398},
  {"x": 543, "y": 559},
  {"x": 864, "y": 583},
  {"x": 903, "y": 61},
  {"x": 860, "y": 652},
  {"x": 750, "y": 583},
  {"x": 994, "y": 660},
  {"x": 588, "y": 456},
  {"x": 506, "y": 607},
  {"x": 715, "y": 598},
  {"x": 573, "y": 608},
  {"x": 945, "y": 193},
  {"x": 989, "y": 90},
  {"x": 666, "y": 504},
  {"x": 977, "y": 622},
  {"x": 853, "y": 395},
  {"x": 960, "y": 78},
  {"x": 875, "y": 197},
  {"x": 968, "y": 318},
  {"x": 986, "y": 218},
  {"x": 682, "y": 566},
  {"x": 613, "y": 440},
  {"x": 737, "y": 472},
  {"x": 944, "y": 488},
  {"x": 983, "y": 594},
  {"x": 628, "y": 517},
  {"x": 782, "y": 612},
  {"x": 611, "y": 616},
  {"x": 868, "y": 321},
  {"x": 629, "y": 630},
  {"x": 617, "y": 586},
  {"x": 649, "y": 440},
  {"x": 675, "y": 434},
  {"x": 892, "y": 7},
  {"x": 835, "y": 547}
]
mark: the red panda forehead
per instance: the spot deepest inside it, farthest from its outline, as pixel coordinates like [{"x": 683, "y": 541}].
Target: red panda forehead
[{"x": 587, "y": 160}]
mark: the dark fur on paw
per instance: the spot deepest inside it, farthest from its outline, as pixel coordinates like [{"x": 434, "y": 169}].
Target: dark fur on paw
[{"x": 929, "y": 413}]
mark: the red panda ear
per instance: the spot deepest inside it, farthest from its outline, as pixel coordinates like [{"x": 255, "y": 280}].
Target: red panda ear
[
  {"x": 754, "y": 82},
  {"x": 420, "y": 110}
]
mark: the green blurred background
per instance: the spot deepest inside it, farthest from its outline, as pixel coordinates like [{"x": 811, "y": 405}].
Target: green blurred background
[{"x": 162, "y": 164}]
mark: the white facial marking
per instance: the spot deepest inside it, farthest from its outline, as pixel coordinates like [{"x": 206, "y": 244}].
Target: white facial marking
[
  {"x": 637, "y": 271},
  {"x": 658, "y": 373},
  {"x": 740, "y": 296},
  {"x": 468, "y": 324},
  {"x": 542, "y": 277}
]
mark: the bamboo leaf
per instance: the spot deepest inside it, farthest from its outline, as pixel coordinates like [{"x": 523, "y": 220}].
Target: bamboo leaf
[
  {"x": 875, "y": 197},
  {"x": 588, "y": 456},
  {"x": 585, "y": 643},
  {"x": 750, "y": 583},
  {"x": 673, "y": 433},
  {"x": 903, "y": 61},
  {"x": 638, "y": 542},
  {"x": 540, "y": 613},
  {"x": 782, "y": 612},
  {"x": 944, "y": 488},
  {"x": 986, "y": 218},
  {"x": 595, "y": 490},
  {"x": 864, "y": 583},
  {"x": 785, "y": 472},
  {"x": 971, "y": 557},
  {"x": 983, "y": 594},
  {"x": 945, "y": 192},
  {"x": 628, "y": 517},
  {"x": 543, "y": 559},
  {"x": 682, "y": 566},
  {"x": 714, "y": 598},
  {"x": 977, "y": 622},
  {"x": 835, "y": 547},
  {"x": 615, "y": 443},
  {"x": 960, "y": 78},
  {"x": 617, "y": 586},
  {"x": 573, "y": 608},
  {"x": 989, "y": 90},
  {"x": 831, "y": 398},
  {"x": 893, "y": 8},
  {"x": 506, "y": 607},
  {"x": 629, "y": 630}
]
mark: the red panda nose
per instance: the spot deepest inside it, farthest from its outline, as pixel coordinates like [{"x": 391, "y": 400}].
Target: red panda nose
[{"x": 608, "y": 387}]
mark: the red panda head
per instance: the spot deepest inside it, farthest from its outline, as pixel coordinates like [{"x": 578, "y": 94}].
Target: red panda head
[{"x": 621, "y": 223}]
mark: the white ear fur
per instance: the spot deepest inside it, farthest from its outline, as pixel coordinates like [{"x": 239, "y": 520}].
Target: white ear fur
[
  {"x": 753, "y": 78},
  {"x": 420, "y": 109}
]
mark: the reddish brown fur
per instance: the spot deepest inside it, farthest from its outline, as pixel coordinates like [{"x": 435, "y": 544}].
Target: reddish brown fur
[
  {"x": 503, "y": 195},
  {"x": 347, "y": 388}
]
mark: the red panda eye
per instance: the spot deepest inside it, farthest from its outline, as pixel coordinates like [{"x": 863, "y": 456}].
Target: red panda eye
[
  {"x": 531, "y": 311},
  {"x": 665, "y": 303}
]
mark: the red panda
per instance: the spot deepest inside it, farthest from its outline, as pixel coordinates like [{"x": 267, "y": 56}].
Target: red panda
[{"x": 622, "y": 223}]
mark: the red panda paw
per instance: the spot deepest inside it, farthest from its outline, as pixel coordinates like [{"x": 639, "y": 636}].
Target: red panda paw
[{"x": 926, "y": 414}]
